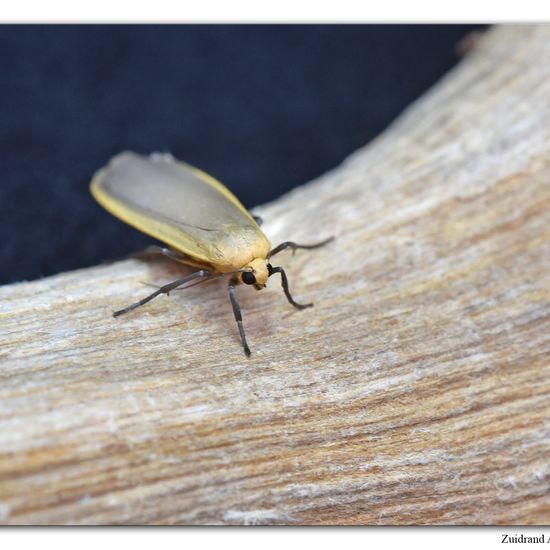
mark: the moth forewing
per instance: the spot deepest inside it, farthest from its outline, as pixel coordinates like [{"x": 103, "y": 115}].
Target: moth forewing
[{"x": 182, "y": 207}]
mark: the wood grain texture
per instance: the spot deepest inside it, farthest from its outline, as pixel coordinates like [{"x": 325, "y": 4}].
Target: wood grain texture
[{"x": 416, "y": 391}]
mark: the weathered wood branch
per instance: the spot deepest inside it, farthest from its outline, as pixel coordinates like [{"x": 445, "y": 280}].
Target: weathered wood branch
[{"x": 416, "y": 391}]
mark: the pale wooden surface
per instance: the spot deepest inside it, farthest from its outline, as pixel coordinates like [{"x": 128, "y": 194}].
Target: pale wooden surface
[{"x": 416, "y": 391}]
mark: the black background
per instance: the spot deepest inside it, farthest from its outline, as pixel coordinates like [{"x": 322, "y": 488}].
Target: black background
[{"x": 263, "y": 108}]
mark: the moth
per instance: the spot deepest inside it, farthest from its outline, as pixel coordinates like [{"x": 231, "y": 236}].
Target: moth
[{"x": 200, "y": 221}]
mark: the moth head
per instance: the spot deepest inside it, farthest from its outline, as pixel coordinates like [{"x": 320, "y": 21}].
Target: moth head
[{"x": 256, "y": 273}]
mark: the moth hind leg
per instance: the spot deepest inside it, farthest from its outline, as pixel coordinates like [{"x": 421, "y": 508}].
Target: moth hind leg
[
  {"x": 166, "y": 289},
  {"x": 156, "y": 250}
]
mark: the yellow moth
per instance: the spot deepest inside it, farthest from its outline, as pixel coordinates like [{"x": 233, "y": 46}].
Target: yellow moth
[{"x": 203, "y": 224}]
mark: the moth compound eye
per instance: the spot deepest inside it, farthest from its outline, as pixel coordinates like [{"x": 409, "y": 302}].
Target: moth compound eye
[{"x": 248, "y": 278}]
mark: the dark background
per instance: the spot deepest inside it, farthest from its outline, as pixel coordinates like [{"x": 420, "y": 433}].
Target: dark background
[{"x": 263, "y": 108}]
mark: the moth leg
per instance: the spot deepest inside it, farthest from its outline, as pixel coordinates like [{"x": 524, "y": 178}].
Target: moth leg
[
  {"x": 294, "y": 246},
  {"x": 155, "y": 250},
  {"x": 164, "y": 290},
  {"x": 258, "y": 220},
  {"x": 284, "y": 283},
  {"x": 237, "y": 313},
  {"x": 152, "y": 250}
]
